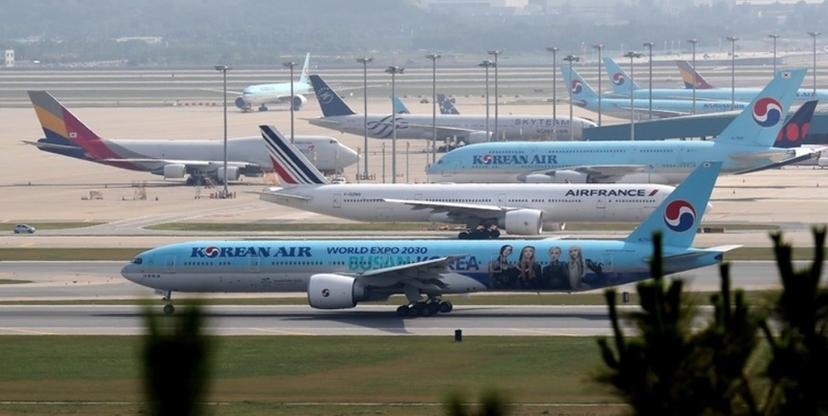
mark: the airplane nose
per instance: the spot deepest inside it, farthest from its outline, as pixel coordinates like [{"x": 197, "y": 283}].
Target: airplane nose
[
  {"x": 350, "y": 156},
  {"x": 132, "y": 273}
]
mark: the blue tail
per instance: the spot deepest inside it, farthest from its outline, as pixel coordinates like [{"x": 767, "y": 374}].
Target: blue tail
[
  {"x": 303, "y": 79},
  {"x": 619, "y": 78},
  {"x": 288, "y": 162},
  {"x": 678, "y": 217},
  {"x": 760, "y": 122},
  {"x": 446, "y": 106},
  {"x": 579, "y": 89},
  {"x": 399, "y": 106},
  {"x": 794, "y": 132},
  {"x": 330, "y": 102}
]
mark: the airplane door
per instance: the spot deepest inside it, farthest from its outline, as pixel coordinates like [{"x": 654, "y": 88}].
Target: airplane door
[
  {"x": 501, "y": 200},
  {"x": 169, "y": 264},
  {"x": 253, "y": 264},
  {"x": 337, "y": 201},
  {"x": 418, "y": 197},
  {"x": 606, "y": 263},
  {"x": 601, "y": 207}
]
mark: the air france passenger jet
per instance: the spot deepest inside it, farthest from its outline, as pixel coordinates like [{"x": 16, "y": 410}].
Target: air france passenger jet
[
  {"x": 517, "y": 208},
  {"x": 339, "y": 274},
  {"x": 745, "y": 145}
]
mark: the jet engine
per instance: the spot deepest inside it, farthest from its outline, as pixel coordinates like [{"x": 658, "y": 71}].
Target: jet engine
[
  {"x": 298, "y": 101},
  {"x": 232, "y": 174},
  {"x": 334, "y": 291},
  {"x": 522, "y": 222},
  {"x": 175, "y": 171},
  {"x": 478, "y": 137},
  {"x": 822, "y": 161},
  {"x": 241, "y": 103}
]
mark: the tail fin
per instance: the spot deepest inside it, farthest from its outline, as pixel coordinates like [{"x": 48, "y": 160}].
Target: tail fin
[
  {"x": 619, "y": 78},
  {"x": 794, "y": 131},
  {"x": 579, "y": 89},
  {"x": 288, "y": 162},
  {"x": 679, "y": 215},
  {"x": 760, "y": 122},
  {"x": 303, "y": 79},
  {"x": 689, "y": 74},
  {"x": 399, "y": 106},
  {"x": 59, "y": 124},
  {"x": 446, "y": 106},
  {"x": 330, "y": 102}
]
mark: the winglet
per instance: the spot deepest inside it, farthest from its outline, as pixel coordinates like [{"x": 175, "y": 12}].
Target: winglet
[
  {"x": 793, "y": 133},
  {"x": 303, "y": 79},
  {"x": 59, "y": 123},
  {"x": 288, "y": 162},
  {"x": 329, "y": 101},
  {"x": 619, "y": 78},
  {"x": 689, "y": 74},
  {"x": 680, "y": 214}
]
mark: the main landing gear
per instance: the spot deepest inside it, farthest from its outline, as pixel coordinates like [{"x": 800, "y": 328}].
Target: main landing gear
[
  {"x": 480, "y": 233},
  {"x": 427, "y": 308}
]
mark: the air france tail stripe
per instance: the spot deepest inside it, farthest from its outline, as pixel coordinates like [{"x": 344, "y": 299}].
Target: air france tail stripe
[{"x": 290, "y": 165}]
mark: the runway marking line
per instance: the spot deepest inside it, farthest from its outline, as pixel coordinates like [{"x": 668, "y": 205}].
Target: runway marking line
[
  {"x": 279, "y": 331},
  {"x": 27, "y": 331}
]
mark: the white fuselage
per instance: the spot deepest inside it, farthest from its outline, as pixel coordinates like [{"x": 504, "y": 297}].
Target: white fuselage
[{"x": 558, "y": 202}]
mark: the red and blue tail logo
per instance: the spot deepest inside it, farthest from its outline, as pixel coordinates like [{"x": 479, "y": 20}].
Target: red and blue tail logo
[
  {"x": 577, "y": 86},
  {"x": 679, "y": 216},
  {"x": 618, "y": 79},
  {"x": 767, "y": 112}
]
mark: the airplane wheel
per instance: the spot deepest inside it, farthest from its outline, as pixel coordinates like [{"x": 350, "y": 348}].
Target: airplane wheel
[
  {"x": 169, "y": 309},
  {"x": 262, "y": 108},
  {"x": 494, "y": 234},
  {"x": 446, "y": 307},
  {"x": 403, "y": 311},
  {"x": 426, "y": 310},
  {"x": 464, "y": 235}
]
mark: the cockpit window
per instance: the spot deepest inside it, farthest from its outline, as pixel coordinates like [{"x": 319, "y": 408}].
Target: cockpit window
[{"x": 137, "y": 260}]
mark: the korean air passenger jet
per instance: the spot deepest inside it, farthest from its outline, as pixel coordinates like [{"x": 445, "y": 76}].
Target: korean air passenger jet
[
  {"x": 745, "y": 145},
  {"x": 339, "y": 274},
  {"x": 263, "y": 94},
  {"x": 518, "y": 208},
  {"x": 466, "y": 128}
]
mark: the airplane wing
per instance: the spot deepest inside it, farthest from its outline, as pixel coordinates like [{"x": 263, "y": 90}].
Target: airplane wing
[
  {"x": 422, "y": 274},
  {"x": 453, "y": 210},
  {"x": 799, "y": 154},
  {"x": 442, "y": 131},
  {"x": 597, "y": 173},
  {"x": 657, "y": 113},
  {"x": 197, "y": 164}
]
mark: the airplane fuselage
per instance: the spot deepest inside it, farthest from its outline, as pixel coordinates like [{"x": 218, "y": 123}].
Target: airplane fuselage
[
  {"x": 256, "y": 95},
  {"x": 662, "y": 108},
  {"x": 667, "y": 162},
  {"x": 720, "y": 94}
]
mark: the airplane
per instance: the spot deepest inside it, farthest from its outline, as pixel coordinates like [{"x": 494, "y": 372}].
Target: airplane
[
  {"x": 339, "y": 274},
  {"x": 67, "y": 135},
  {"x": 446, "y": 106},
  {"x": 262, "y": 94},
  {"x": 468, "y": 128},
  {"x": 520, "y": 209},
  {"x": 705, "y": 90},
  {"x": 584, "y": 96},
  {"x": 745, "y": 145}
]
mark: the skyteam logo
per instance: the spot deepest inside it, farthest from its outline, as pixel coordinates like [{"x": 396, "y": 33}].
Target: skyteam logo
[
  {"x": 618, "y": 79},
  {"x": 326, "y": 96},
  {"x": 577, "y": 86},
  {"x": 767, "y": 112},
  {"x": 679, "y": 216},
  {"x": 211, "y": 252}
]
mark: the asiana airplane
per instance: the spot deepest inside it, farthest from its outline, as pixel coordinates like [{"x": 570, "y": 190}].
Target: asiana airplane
[
  {"x": 339, "y": 274},
  {"x": 174, "y": 159},
  {"x": 520, "y": 209}
]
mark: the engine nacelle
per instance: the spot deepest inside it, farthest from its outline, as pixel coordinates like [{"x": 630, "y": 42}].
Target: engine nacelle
[
  {"x": 298, "y": 101},
  {"x": 822, "y": 161},
  {"x": 241, "y": 103},
  {"x": 175, "y": 171},
  {"x": 232, "y": 174},
  {"x": 569, "y": 176},
  {"x": 522, "y": 222},
  {"x": 479, "y": 137},
  {"x": 334, "y": 291}
]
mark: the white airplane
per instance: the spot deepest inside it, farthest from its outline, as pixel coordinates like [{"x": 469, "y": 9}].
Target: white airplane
[
  {"x": 466, "y": 128},
  {"x": 263, "y": 94},
  {"x": 68, "y": 136},
  {"x": 518, "y": 208}
]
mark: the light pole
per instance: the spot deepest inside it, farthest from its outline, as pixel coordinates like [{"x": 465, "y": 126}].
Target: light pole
[
  {"x": 554, "y": 51},
  {"x": 394, "y": 70},
  {"x": 223, "y": 69},
  {"x": 495, "y": 53},
  {"x": 774, "y": 36},
  {"x": 364, "y": 62},
  {"x": 694, "y": 42},
  {"x": 599, "y": 47},
  {"x": 291, "y": 65},
  {"x": 649, "y": 46},
  {"x": 632, "y": 55},
  {"x": 571, "y": 59},
  {"x": 732, "y": 40},
  {"x": 487, "y": 64},
  {"x": 814, "y": 35},
  {"x": 434, "y": 57}
]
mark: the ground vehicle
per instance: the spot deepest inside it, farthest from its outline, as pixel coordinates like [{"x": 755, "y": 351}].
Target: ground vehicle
[{"x": 24, "y": 229}]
